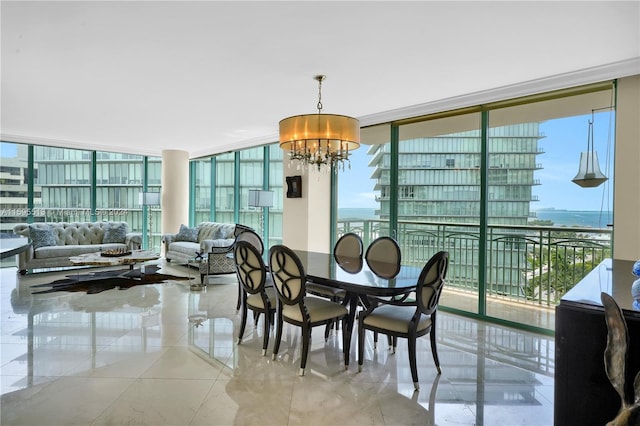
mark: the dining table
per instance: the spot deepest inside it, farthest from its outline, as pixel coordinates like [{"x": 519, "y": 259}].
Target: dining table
[{"x": 357, "y": 278}]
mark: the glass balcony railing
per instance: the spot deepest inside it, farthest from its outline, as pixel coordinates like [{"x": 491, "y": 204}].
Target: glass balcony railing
[{"x": 528, "y": 264}]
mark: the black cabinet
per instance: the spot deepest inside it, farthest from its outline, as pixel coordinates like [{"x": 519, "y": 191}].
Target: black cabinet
[{"x": 583, "y": 393}]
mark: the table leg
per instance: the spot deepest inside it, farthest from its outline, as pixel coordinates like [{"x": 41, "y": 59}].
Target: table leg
[{"x": 347, "y": 331}]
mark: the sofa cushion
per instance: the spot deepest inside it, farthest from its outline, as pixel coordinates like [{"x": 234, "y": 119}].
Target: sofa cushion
[
  {"x": 187, "y": 234},
  {"x": 68, "y": 251},
  {"x": 215, "y": 231},
  {"x": 185, "y": 247},
  {"x": 115, "y": 233},
  {"x": 43, "y": 236}
]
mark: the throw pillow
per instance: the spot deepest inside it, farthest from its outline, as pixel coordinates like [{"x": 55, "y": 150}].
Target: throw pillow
[
  {"x": 187, "y": 234},
  {"x": 42, "y": 237},
  {"x": 115, "y": 233}
]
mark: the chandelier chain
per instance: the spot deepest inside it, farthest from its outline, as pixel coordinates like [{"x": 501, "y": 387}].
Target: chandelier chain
[{"x": 319, "y": 106}]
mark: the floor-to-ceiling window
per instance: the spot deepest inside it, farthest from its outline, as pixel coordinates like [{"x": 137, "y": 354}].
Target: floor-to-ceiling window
[
  {"x": 492, "y": 185},
  {"x": 251, "y": 178},
  {"x": 202, "y": 189},
  {"x": 41, "y": 183},
  {"x": 225, "y": 188},
  {"x": 14, "y": 186},
  {"x": 558, "y": 231},
  {"x": 439, "y": 164},
  {"x": 64, "y": 178},
  {"x": 276, "y": 173},
  {"x": 230, "y": 176},
  {"x": 364, "y": 188}
]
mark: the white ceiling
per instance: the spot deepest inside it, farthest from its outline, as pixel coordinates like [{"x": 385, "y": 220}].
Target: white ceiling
[{"x": 213, "y": 76}]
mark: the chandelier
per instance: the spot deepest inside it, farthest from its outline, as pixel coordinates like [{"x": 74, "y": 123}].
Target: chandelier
[
  {"x": 589, "y": 174},
  {"x": 321, "y": 140}
]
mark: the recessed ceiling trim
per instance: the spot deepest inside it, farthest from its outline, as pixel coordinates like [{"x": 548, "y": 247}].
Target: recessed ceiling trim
[
  {"x": 527, "y": 88},
  {"x": 86, "y": 146}
]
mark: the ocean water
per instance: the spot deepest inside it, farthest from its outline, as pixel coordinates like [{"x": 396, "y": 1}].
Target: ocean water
[
  {"x": 355, "y": 213},
  {"x": 579, "y": 218}
]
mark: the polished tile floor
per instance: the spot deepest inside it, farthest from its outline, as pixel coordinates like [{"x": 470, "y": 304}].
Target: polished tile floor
[{"x": 164, "y": 355}]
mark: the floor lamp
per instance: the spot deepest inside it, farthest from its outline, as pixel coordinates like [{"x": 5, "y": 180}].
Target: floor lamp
[
  {"x": 263, "y": 200},
  {"x": 149, "y": 199}
]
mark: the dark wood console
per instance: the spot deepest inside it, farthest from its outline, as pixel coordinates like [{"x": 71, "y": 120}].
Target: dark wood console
[{"x": 583, "y": 393}]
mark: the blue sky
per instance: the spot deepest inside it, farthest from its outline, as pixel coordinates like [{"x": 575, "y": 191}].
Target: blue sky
[
  {"x": 565, "y": 139},
  {"x": 8, "y": 150}
]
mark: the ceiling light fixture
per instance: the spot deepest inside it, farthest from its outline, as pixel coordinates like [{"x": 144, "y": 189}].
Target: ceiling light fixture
[
  {"x": 589, "y": 174},
  {"x": 322, "y": 140}
]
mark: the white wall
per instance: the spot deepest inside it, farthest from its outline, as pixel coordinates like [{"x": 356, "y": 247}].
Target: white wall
[{"x": 306, "y": 220}]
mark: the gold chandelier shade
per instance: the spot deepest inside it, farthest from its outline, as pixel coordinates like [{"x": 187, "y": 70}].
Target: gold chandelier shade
[
  {"x": 322, "y": 140},
  {"x": 338, "y": 132}
]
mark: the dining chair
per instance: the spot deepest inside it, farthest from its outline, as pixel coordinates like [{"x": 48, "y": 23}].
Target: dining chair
[
  {"x": 294, "y": 306},
  {"x": 348, "y": 245},
  {"x": 384, "y": 257},
  {"x": 252, "y": 276},
  {"x": 408, "y": 319},
  {"x": 244, "y": 233}
]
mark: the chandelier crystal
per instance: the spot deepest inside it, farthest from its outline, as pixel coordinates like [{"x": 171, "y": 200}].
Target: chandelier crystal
[{"x": 322, "y": 140}]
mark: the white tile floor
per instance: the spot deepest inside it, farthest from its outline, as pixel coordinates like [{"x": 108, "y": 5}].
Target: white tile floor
[{"x": 133, "y": 357}]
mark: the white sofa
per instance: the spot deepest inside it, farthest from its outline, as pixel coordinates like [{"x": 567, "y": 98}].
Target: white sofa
[
  {"x": 204, "y": 238},
  {"x": 52, "y": 243}
]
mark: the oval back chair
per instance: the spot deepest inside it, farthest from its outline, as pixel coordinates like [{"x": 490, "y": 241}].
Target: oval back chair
[
  {"x": 383, "y": 257},
  {"x": 294, "y": 307},
  {"x": 244, "y": 233},
  {"x": 408, "y": 319},
  {"x": 252, "y": 277}
]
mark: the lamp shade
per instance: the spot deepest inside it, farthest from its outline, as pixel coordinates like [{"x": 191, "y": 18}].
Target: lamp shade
[
  {"x": 589, "y": 174},
  {"x": 259, "y": 198},
  {"x": 332, "y": 131}
]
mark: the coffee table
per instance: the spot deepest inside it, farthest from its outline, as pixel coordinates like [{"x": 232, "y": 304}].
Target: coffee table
[
  {"x": 10, "y": 246},
  {"x": 97, "y": 259},
  {"x": 96, "y": 282}
]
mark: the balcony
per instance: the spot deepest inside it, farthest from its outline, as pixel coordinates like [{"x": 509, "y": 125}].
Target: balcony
[{"x": 527, "y": 269}]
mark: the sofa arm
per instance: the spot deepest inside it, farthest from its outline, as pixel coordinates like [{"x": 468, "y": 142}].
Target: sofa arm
[
  {"x": 133, "y": 240},
  {"x": 218, "y": 246},
  {"x": 23, "y": 258},
  {"x": 167, "y": 239}
]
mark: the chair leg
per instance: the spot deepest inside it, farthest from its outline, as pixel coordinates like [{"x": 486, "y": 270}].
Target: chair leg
[
  {"x": 361, "y": 331},
  {"x": 239, "y": 302},
  {"x": 375, "y": 340},
  {"x": 243, "y": 322},
  {"x": 412, "y": 361},
  {"x": 390, "y": 343},
  {"x": 265, "y": 338},
  {"x": 306, "y": 341},
  {"x": 395, "y": 344},
  {"x": 276, "y": 344},
  {"x": 434, "y": 349}
]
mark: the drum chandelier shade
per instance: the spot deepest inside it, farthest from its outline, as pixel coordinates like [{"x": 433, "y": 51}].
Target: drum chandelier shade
[
  {"x": 323, "y": 140},
  {"x": 589, "y": 174}
]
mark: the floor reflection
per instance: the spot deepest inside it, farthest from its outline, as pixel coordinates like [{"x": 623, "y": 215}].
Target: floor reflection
[{"x": 108, "y": 358}]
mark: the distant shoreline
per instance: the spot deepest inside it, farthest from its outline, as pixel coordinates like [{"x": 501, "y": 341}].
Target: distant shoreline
[{"x": 559, "y": 217}]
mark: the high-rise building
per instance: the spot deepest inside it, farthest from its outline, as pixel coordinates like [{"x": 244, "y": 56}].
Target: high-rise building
[{"x": 439, "y": 193}]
